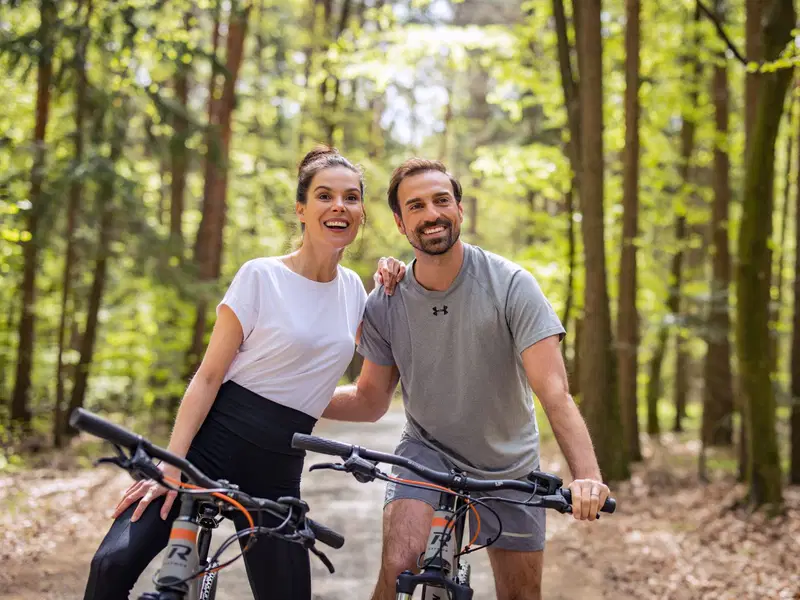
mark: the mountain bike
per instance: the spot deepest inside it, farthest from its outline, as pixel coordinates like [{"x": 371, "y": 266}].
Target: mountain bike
[
  {"x": 443, "y": 571},
  {"x": 187, "y": 572}
]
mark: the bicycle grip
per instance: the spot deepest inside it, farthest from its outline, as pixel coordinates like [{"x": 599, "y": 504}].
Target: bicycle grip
[
  {"x": 609, "y": 507},
  {"x": 321, "y": 445},
  {"x": 90, "y": 423},
  {"x": 327, "y": 536}
]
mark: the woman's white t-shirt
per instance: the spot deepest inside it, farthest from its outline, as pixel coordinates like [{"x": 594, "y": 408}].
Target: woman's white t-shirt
[{"x": 299, "y": 334}]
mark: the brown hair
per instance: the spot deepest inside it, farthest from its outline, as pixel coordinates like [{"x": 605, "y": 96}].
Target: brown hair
[
  {"x": 319, "y": 159},
  {"x": 414, "y": 166}
]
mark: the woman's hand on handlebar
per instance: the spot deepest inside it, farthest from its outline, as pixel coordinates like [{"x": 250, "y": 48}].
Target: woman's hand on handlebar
[
  {"x": 588, "y": 495},
  {"x": 145, "y": 492}
]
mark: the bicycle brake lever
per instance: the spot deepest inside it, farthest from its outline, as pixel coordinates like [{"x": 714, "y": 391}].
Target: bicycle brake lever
[
  {"x": 139, "y": 466},
  {"x": 323, "y": 558},
  {"x": 120, "y": 460},
  {"x": 556, "y": 502},
  {"x": 363, "y": 470},
  {"x": 333, "y": 466},
  {"x": 113, "y": 460},
  {"x": 142, "y": 467}
]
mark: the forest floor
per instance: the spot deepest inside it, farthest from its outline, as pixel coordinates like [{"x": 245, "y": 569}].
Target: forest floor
[{"x": 671, "y": 538}]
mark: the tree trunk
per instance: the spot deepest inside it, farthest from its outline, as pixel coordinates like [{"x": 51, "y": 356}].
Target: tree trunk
[
  {"x": 574, "y": 368},
  {"x": 681, "y": 382},
  {"x": 628, "y": 317},
  {"x": 10, "y": 312},
  {"x": 654, "y": 383},
  {"x": 754, "y": 269},
  {"x": 753, "y": 48},
  {"x": 600, "y": 401},
  {"x": 76, "y": 190},
  {"x": 570, "y": 88},
  {"x": 105, "y": 203},
  {"x": 794, "y": 468},
  {"x": 179, "y": 157},
  {"x": 688, "y": 129},
  {"x": 570, "y": 258},
  {"x": 718, "y": 401},
  {"x": 448, "y": 118},
  {"x": 20, "y": 409},
  {"x": 472, "y": 210},
  {"x": 333, "y": 106},
  {"x": 208, "y": 246},
  {"x": 570, "y": 292},
  {"x": 775, "y": 312}
]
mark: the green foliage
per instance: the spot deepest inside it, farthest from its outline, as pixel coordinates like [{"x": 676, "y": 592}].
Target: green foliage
[{"x": 399, "y": 79}]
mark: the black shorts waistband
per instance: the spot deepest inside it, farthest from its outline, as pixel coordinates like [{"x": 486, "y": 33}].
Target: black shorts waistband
[{"x": 257, "y": 419}]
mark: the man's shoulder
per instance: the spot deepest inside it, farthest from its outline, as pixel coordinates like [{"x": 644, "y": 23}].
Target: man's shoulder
[
  {"x": 492, "y": 271},
  {"x": 378, "y": 300},
  {"x": 484, "y": 260}
]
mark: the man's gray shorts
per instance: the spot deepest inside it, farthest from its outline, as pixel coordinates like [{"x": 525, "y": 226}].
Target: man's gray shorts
[{"x": 523, "y": 526}]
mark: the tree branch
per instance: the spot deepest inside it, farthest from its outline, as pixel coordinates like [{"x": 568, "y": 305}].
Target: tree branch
[{"x": 714, "y": 19}]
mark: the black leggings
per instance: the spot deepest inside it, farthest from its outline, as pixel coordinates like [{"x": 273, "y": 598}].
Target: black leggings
[{"x": 245, "y": 439}]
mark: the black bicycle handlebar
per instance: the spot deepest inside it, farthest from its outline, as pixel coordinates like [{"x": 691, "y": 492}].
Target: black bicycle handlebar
[
  {"x": 326, "y": 535},
  {"x": 97, "y": 426},
  {"x": 90, "y": 423},
  {"x": 609, "y": 507},
  {"x": 456, "y": 482}
]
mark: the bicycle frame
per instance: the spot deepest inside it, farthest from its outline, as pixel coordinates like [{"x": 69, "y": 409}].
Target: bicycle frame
[
  {"x": 444, "y": 575},
  {"x": 442, "y": 570},
  {"x": 186, "y": 549}
]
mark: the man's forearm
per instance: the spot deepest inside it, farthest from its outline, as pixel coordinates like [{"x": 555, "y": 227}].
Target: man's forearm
[
  {"x": 573, "y": 438},
  {"x": 348, "y": 405}
]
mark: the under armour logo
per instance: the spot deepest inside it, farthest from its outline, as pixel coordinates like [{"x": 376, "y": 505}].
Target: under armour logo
[{"x": 443, "y": 310}]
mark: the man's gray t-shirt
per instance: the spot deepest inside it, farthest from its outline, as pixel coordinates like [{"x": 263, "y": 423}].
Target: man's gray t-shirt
[{"x": 459, "y": 355}]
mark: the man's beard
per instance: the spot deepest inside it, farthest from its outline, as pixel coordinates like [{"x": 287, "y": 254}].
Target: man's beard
[{"x": 439, "y": 245}]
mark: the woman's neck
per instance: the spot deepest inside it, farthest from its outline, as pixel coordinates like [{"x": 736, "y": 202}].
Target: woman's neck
[{"x": 317, "y": 264}]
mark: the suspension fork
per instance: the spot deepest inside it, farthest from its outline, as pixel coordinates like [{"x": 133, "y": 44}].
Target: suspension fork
[
  {"x": 439, "y": 561},
  {"x": 181, "y": 558},
  {"x": 207, "y": 521},
  {"x": 445, "y": 536}
]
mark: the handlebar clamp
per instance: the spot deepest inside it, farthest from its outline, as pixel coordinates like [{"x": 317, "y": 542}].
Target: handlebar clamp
[
  {"x": 362, "y": 469},
  {"x": 549, "y": 482}
]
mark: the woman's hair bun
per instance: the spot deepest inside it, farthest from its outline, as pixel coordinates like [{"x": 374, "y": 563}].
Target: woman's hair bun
[{"x": 317, "y": 152}]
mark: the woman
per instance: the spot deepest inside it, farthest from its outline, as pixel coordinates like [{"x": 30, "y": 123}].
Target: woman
[{"x": 284, "y": 336}]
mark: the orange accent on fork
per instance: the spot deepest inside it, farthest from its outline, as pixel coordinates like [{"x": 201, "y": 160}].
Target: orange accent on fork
[
  {"x": 442, "y": 522},
  {"x": 182, "y": 534},
  {"x": 444, "y": 489}
]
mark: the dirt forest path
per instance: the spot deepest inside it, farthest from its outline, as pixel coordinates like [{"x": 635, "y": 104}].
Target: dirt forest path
[{"x": 53, "y": 565}]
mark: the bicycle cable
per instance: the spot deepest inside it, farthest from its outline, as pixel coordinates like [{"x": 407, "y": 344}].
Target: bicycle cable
[
  {"x": 252, "y": 531},
  {"x": 469, "y": 505},
  {"x": 484, "y": 501}
]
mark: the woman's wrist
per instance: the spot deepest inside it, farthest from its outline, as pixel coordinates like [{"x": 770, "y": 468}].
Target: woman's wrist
[{"x": 165, "y": 467}]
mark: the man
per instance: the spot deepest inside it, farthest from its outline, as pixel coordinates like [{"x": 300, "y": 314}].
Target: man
[{"x": 468, "y": 334}]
